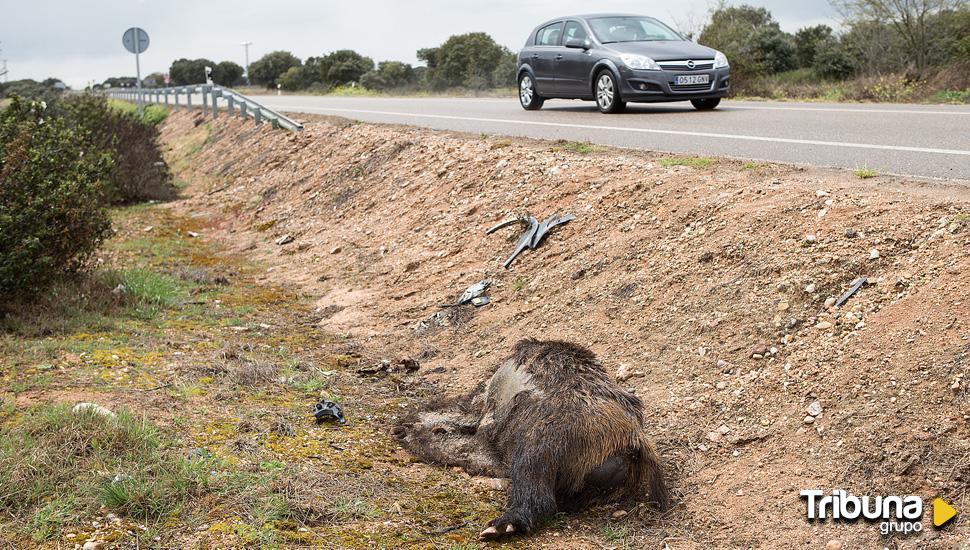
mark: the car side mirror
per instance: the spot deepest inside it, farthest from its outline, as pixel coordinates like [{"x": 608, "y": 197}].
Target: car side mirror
[{"x": 578, "y": 43}]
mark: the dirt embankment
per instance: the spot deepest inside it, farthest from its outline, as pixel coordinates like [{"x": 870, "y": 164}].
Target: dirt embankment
[{"x": 710, "y": 286}]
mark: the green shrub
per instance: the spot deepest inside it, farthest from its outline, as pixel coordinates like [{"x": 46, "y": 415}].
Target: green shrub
[
  {"x": 51, "y": 198},
  {"x": 139, "y": 172}
]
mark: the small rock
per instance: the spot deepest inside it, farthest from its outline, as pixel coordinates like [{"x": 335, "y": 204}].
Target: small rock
[
  {"x": 809, "y": 419},
  {"x": 740, "y": 492},
  {"x": 829, "y": 302},
  {"x": 285, "y": 239},
  {"x": 149, "y": 228},
  {"x": 714, "y": 436},
  {"x": 721, "y": 385},
  {"x": 851, "y": 233},
  {"x": 619, "y": 514},
  {"x": 119, "y": 290},
  {"x": 833, "y": 544},
  {"x": 722, "y": 364},
  {"x": 810, "y": 288},
  {"x": 723, "y": 430},
  {"x": 706, "y": 257},
  {"x": 193, "y": 234},
  {"x": 823, "y": 325},
  {"x": 810, "y": 239},
  {"x": 623, "y": 372},
  {"x": 91, "y": 545},
  {"x": 702, "y": 447},
  {"x": 335, "y": 250},
  {"x": 823, "y": 212},
  {"x": 93, "y": 408},
  {"x": 759, "y": 349},
  {"x": 783, "y": 306},
  {"x": 814, "y": 409},
  {"x": 873, "y": 254}
]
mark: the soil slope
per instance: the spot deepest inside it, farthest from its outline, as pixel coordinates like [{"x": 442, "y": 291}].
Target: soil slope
[{"x": 707, "y": 286}]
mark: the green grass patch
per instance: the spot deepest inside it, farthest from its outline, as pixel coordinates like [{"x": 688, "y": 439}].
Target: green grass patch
[
  {"x": 695, "y": 162},
  {"x": 56, "y": 464},
  {"x": 152, "y": 115},
  {"x": 750, "y": 165},
  {"x": 865, "y": 173},
  {"x": 151, "y": 288},
  {"x": 580, "y": 147}
]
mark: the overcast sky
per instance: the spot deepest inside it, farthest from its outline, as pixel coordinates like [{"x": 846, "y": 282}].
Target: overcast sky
[{"x": 80, "y": 40}]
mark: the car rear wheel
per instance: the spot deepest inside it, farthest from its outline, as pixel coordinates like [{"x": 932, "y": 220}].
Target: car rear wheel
[
  {"x": 705, "y": 104},
  {"x": 608, "y": 94},
  {"x": 528, "y": 97}
]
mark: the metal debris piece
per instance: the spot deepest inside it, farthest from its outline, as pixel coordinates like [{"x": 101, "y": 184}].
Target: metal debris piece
[
  {"x": 473, "y": 292},
  {"x": 480, "y": 301},
  {"x": 328, "y": 411},
  {"x": 535, "y": 232},
  {"x": 852, "y": 290}
]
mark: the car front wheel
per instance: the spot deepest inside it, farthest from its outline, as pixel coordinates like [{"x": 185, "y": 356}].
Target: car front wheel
[
  {"x": 608, "y": 94},
  {"x": 528, "y": 97},
  {"x": 705, "y": 104}
]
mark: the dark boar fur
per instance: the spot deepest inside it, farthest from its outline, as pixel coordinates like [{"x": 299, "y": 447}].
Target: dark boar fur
[{"x": 552, "y": 420}]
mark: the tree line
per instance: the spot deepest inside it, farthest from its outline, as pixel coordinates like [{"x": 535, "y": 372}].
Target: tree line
[
  {"x": 915, "y": 38},
  {"x": 919, "y": 39}
]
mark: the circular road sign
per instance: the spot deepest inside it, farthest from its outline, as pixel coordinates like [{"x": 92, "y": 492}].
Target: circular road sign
[{"x": 135, "y": 40}]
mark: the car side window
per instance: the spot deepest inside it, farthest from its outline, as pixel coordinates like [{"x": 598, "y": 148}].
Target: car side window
[
  {"x": 574, "y": 30},
  {"x": 549, "y": 35}
]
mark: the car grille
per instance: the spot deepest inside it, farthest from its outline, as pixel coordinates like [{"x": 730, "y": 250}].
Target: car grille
[
  {"x": 691, "y": 87},
  {"x": 699, "y": 64}
]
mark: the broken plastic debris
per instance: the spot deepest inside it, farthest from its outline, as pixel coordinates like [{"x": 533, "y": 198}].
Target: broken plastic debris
[
  {"x": 535, "y": 232},
  {"x": 473, "y": 292},
  {"x": 852, "y": 290},
  {"x": 328, "y": 411}
]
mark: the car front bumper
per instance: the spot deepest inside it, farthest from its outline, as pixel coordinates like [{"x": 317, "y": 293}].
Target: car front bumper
[{"x": 646, "y": 86}]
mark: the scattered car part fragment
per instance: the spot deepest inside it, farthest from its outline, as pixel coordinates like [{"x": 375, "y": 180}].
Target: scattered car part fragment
[
  {"x": 473, "y": 292},
  {"x": 535, "y": 232},
  {"x": 328, "y": 411},
  {"x": 480, "y": 301},
  {"x": 852, "y": 290}
]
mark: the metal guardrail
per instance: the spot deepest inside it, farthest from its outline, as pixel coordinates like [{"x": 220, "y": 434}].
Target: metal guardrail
[{"x": 210, "y": 102}]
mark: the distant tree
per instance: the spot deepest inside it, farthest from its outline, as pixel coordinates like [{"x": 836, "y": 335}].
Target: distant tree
[
  {"x": 912, "y": 20},
  {"x": 468, "y": 60},
  {"x": 154, "y": 80},
  {"x": 189, "y": 71},
  {"x": 337, "y": 68},
  {"x": 389, "y": 75},
  {"x": 227, "y": 73},
  {"x": 46, "y": 89},
  {"x": 832, "y": 60},
  {"x": 295, "y": 78},
  {"x": 807, "y": 42},
  {"x": 503, "y": 76},
  {"x": 269, "y": 68},
  {"x": 750, "y": 38}
]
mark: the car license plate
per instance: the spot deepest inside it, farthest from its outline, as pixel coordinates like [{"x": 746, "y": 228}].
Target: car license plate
[{"x": 684, "y": 79}]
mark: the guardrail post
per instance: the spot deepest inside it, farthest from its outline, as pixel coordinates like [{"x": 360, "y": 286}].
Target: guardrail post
[
  {"x": 257, "y": 116},
  {"x": 232, "y": 105},
  {"x": 242, "y": 110},
  {"x": 176, "y": 94},
  {"x": 215, "y": 103},
  {"x": 205, "y": 102},
  {"x": 188, "y": 101},
  {"x": 166, "y": 97}
]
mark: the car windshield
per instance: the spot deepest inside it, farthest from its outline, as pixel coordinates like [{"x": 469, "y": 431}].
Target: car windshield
[{"x": 631, "y": 29}]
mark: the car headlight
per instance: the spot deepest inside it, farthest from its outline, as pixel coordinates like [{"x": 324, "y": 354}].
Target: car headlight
[
  {"x": 720, "y": 60},
  {"x": 635, "y": 61}
]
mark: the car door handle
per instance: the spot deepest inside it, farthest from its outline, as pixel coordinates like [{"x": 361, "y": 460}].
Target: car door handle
[
  {"x": 535, "y": 56},
  {"x": 559, "y": 56}
]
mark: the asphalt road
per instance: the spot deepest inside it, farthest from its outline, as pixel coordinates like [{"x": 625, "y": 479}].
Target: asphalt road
[{"x": 913, "y": 140}]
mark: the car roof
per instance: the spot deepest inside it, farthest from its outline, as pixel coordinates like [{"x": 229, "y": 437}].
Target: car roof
[{"x": 591, "y": 16}]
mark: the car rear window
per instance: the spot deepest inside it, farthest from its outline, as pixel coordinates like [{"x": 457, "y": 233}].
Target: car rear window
[{"x": 549, "y": 35}]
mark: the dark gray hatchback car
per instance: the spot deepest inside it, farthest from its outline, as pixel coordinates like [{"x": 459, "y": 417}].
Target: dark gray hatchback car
[{"x": 616, "y": 58}]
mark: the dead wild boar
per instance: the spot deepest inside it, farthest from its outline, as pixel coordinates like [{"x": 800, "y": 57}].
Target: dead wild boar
[{"x": 552, "y": 420}]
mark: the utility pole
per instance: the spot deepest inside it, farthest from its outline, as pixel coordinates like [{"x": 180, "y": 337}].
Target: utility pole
[
  {"x": 3, "y": 70},
  {"x": 247, "y": 45}
]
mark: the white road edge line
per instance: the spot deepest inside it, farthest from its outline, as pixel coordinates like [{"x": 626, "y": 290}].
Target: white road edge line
[{"x": 637, "y": 130}]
